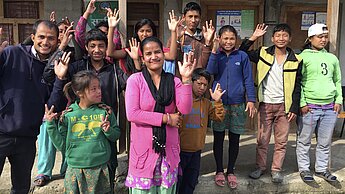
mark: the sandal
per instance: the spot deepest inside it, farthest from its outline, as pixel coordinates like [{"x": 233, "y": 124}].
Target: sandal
[
  {"x": 232, "y": 181},
  {"x": 306, "y": 176},
  {"x": 326, "y": 175},
  {"x": 220, "y": 179},
  {"x": 41, "y": 180}
]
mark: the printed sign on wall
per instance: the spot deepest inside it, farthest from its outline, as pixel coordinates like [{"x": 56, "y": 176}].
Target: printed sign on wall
[{"x": 241, "y": 20}]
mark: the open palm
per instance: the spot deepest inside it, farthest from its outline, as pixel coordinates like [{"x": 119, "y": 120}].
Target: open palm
[
  {"x": 187, "y": 67},
  {"x": 113, "y": 17},
  {"x": 173, "y": 22},
  {"x": 217, "y": 93},
  {"x": 61, "y": 67}
]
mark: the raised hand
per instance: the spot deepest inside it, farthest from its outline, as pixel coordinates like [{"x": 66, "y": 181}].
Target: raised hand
[
  {"x": 66, "y": 21},
  {"x": 113, "y": 17},
  {"x": 67, "y": 36},
  {"x": 215, "y": 44},
  {"x": 260, "y": 30},
  {"x": 90, "y": 9},
  {"x": 3, "y": 44},
  {"x": 134, "y": 46},
  {"x": 173, "y": 21},
  {"x": 187, "y": 68},
  {"x": 105, "y": 124},
  {"x": 251, "y": 108},
  {"x": 208, "y": 32},
  {"x": 217, "y": 94},
  {"x": 52, "y": 17},
  {"x": 181, "y": 29},
  {"x": 61, "y": 67},
  {"x": 49, "y": 114}
]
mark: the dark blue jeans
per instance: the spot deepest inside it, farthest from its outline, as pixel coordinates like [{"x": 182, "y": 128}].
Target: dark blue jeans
[
  {"x": 190, "y": 165},
  {"x": 20, "y": 152}
]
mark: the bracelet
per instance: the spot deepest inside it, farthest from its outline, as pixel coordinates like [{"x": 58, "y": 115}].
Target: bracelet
[
  {"x": 168, "y": 120},
  {"x": 187, "y": 82}
]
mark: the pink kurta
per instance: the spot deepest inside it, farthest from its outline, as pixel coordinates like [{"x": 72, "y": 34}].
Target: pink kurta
[{"x": 139, "y": 108}]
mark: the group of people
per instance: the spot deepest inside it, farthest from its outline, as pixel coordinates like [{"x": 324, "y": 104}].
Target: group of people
[{"x": 69, "y": 98}]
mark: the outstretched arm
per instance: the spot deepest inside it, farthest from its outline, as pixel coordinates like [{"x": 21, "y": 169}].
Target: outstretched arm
[
  {"x": 172, "y": 24},
  {"x": 80, "y": 30},
  {"x": 113, "y": 20}
]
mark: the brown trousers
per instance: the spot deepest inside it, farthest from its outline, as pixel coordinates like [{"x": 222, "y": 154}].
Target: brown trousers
[{"x": 272, "y": 116}]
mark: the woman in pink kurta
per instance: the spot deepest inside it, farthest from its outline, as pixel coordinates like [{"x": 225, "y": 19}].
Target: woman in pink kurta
[{"x": 154, "y": 147}]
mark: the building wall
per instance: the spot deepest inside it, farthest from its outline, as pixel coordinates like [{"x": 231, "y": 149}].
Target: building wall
[
  {"x": 63, "y": 8},
  {"x": 342, "y": 40}
]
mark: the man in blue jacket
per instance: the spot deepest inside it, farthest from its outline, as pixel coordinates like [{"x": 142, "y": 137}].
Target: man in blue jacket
[{"x": 23, "y": 94}]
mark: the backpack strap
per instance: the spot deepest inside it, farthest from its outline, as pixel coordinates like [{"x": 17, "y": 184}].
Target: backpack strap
[
  {"x": 67, "y": 110},
  {"x": 107, "y": 108}
]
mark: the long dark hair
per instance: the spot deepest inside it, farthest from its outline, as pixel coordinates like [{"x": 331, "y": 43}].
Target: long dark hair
[{"x": 142, "y": 23}]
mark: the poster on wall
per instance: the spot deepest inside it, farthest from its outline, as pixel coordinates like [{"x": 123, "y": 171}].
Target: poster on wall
[
  {"x": 308, "y": 19},
  {"x": 321, "y": 17},
  {"x": 100, "y": 13},
  {"x": 241, "y": 20}
]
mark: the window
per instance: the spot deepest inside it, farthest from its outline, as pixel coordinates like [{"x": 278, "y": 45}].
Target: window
[
  {"x": 7, "y": 32},
  {"x": 17, "y": 18},
  {"x": 18, "y": 9}
]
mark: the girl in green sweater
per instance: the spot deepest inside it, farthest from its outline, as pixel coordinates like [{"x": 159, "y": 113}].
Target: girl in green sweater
[
  {"x": 84, "y": 129},
  {"x": 321, "y": 99}
]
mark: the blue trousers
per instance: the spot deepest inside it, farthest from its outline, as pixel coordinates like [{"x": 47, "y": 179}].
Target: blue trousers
[
  {"x": 321, "y": 122},
  {"x": 190, "y": 165},
  {"x": 47, "y": 153}
]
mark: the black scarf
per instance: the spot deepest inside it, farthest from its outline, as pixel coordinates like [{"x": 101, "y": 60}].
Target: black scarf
[{"x": 163, "y": 97}]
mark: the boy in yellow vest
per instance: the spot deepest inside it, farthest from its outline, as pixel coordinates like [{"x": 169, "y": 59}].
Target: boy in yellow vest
[{"x": 278, "y": 78}]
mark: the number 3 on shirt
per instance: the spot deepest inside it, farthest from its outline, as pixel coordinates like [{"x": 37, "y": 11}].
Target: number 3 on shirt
[{"x": 324, "y": 69}]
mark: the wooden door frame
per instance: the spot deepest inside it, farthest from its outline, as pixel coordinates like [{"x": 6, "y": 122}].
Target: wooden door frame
[{"x": 161, "y": 22}]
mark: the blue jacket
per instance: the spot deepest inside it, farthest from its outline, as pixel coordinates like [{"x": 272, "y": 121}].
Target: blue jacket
[
  {"x": 234, "y": 73},
  {"x": 23, "y": 92}
]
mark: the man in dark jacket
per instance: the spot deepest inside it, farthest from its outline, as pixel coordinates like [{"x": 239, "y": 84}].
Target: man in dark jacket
[{"x": 23, "y": 94}]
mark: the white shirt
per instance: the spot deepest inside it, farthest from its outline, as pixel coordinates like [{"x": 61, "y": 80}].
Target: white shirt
[{"x": 273, "y": 84}]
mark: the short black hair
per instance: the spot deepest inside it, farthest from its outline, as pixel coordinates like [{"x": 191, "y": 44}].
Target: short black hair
[
  {"x": 95, "y": 34},
  {"x": 102, "y": 24},
  {"x": 227, "y": 28},
  {"x": 192, "y": 6},
  {"x": 201, "y": 72},
  {"x": 282, "y": 27},
  {"x": 49, "y": 24}
]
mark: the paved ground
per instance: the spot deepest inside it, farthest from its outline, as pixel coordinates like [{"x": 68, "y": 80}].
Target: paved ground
[{"x": 245, "y": 163}]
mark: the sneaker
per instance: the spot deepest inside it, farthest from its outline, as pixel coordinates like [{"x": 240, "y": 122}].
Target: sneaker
[
  {"x": 326, "y": 175},
  {"x": 307, "y": 176},
  {"x": 256, "y": 173},
  {"x": 277, "y": 177}
]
